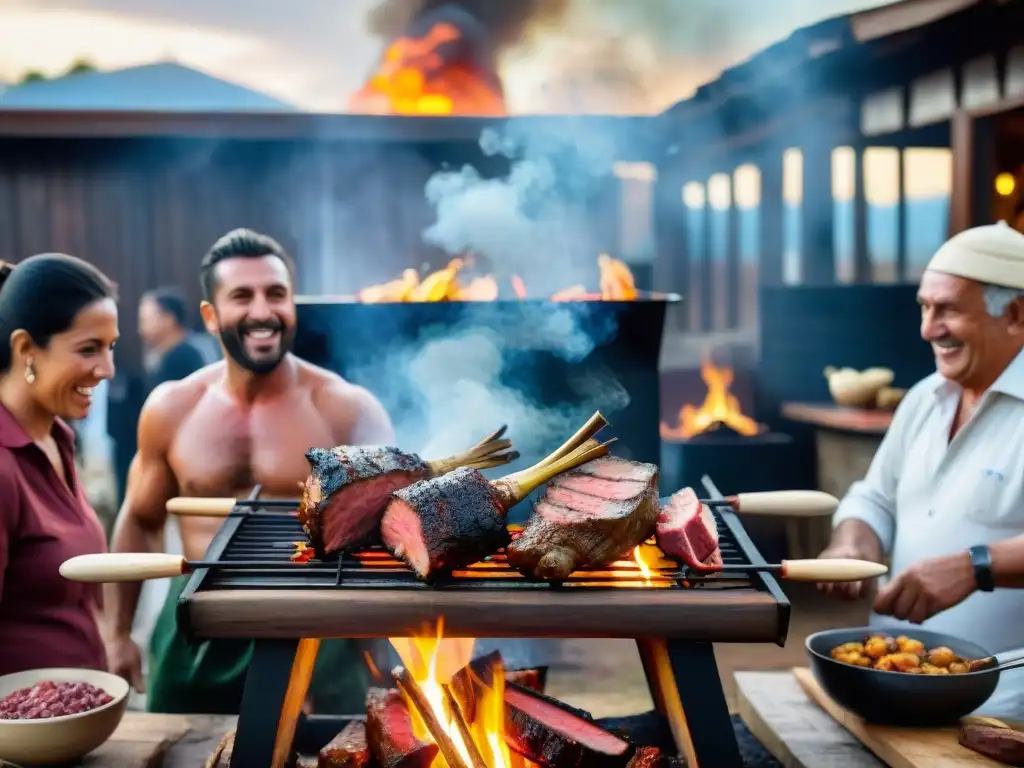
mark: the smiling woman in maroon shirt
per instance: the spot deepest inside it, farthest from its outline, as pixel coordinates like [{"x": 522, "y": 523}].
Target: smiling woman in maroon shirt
[{"x": 58, "y": 325}]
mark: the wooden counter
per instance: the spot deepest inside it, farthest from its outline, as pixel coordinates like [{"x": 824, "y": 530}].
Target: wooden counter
[
  {"x": 146, "y": 740},
  {"x": 834, "y": 417}
]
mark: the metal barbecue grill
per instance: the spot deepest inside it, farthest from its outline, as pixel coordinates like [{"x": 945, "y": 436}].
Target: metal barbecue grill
[{"x": 285, "y": 606}]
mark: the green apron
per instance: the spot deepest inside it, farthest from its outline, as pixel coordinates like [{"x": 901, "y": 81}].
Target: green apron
[{"x": 209, "y": 677}]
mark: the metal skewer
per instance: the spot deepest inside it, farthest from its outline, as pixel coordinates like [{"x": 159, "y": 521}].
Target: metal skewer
[
  {"x": 142, "y": 566},
  {"x": 791, "y": 503}
]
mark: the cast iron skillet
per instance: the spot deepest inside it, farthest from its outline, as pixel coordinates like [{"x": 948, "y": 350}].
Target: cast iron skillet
[{"x": 896, "y": 698}]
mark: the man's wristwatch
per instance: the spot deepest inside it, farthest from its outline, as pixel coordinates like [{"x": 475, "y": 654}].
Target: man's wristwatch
[{"x": 981, "y": 562}]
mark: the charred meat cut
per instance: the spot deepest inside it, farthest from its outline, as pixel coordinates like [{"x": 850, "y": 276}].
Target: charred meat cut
[
  {"x": 554, "y": 735},
  {"x": 455, "y": 520},
  {"x": 445, "y": 523},
  {"x": 349, "y": 486},
  {"x": 346, "y": 750},
  {"x": 472, "y": 681},
  {"x": 588, "y": 518},
  {"x": 390, "y": 735},
  {"x": 687, "y": 531}
]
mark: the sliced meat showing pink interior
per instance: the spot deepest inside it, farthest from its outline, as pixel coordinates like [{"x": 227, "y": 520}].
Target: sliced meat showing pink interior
[
  {"x": 402, "y": 532},
  {"x": 687, "y": 531},
  {"x": 564, "y": 722},
  {"x": 613, "y": 490},
  {"x": 612, "y": 468},
  {"x": 352, "y": 514},
  {"x": 584, "y": 503}
]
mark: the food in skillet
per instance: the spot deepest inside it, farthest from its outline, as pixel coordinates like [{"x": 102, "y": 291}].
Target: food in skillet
[{"x": 902, "y": 654}]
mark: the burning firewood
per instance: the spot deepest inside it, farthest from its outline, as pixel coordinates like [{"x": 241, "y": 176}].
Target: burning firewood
[
  {"x": 470, "y": 682},
  {"x": 459, "y": 719},
  {"x": 418, "y": 700},
  {"x": 390, "y": 732},
  {"x": 452, "y": 521},
  {"x": 348, "y": 486},
  {"x": 588, "y": 518},
  {"x": 556, "y": 735}
]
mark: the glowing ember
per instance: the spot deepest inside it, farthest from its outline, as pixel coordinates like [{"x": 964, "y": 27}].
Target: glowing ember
[
  {"x": 719, "y": 407},
  {"x": 615, "y": 280},
  {"x": 303, "y": 552},
  {"x": 419, "y": 76},
  {"x": 433, "y": 661}
]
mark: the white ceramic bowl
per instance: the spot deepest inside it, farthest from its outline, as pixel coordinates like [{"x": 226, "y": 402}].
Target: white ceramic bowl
[{"x": 58, "y": 740}]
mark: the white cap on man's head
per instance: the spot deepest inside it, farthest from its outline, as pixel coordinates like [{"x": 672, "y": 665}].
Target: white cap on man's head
[{"x": 991, "y": 254}]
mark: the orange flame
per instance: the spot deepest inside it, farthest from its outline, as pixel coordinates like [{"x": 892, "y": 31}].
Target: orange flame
[
  {"x": 719, "y": 407},
  {"x": 414, "y": 78},
  {"x": 614, "y": 276},
  {"x": 433, "y": 661}
]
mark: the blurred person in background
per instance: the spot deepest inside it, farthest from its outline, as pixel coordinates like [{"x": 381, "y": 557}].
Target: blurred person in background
[
  {"x": 169, "y": 353},
  {"x": 58, "y": 325}
]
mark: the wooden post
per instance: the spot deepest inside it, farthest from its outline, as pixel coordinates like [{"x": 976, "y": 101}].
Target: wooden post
[
  {"x": 817, "y": 244},
  {"x": 705, "y": 292},
  {"x": 733, "y": 262},
  {"x": 902, "y": 275},
  {"x": 295, "y": 696},
  {"x": 672, "y": 257},
  {"x": 862, "y": 271},
  {"x": 772, "y": 214},
  {"x": 972, "y": 140}
]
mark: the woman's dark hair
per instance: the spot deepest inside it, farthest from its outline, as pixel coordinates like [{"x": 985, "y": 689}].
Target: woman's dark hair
[{"x": 43, "y": 295}]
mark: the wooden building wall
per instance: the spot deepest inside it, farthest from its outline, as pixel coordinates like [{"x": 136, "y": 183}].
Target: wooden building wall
[{"x": 146, "y": 210}]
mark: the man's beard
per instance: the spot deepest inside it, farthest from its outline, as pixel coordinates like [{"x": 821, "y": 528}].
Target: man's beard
[{"x": 233, "y": 339}]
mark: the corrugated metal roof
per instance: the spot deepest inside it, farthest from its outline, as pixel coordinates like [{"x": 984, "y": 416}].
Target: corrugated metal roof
[{"x": 152, "y": 87}]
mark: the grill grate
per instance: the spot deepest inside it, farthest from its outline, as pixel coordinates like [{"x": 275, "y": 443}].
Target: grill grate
[{"x": 273, "y": 539}]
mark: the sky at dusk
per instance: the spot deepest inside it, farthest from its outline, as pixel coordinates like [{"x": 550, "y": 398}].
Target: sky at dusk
[
  {"x": 633, "y": 56},
  {"x": 316, "y": 53}
]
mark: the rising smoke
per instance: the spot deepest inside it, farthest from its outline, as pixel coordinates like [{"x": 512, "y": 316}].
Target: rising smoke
[{"x": 482, "y": 370}]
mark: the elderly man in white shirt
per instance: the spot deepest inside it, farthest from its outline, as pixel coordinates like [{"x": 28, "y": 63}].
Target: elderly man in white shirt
[{"x": 944, "y": 496}]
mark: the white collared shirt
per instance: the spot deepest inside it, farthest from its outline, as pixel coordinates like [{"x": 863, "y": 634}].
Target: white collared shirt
[{"x": 926, "y": 496}]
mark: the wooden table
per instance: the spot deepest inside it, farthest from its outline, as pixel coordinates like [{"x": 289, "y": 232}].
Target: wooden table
[
  {"x": 802, "y": 727},
  {"x": 146, "y": 740},
  {"x": 798, "y": 732}
]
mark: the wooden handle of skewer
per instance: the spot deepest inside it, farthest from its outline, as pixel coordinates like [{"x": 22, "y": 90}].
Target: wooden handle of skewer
[
  {"x": 186, "y": 506},
  {"x": 793, "y": 503},
  {"x": 123, "y": 566},
  {"x": 837, "y": 569}
]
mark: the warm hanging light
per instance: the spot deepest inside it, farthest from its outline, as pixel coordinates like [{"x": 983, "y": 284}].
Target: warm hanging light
[{"x": 1005, "y": 184}]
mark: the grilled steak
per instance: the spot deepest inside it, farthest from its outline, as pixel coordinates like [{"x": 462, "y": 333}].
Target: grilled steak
[
  {"x": 349, "y": 486},
  {"x": 445, "y": 523},
  {"x": 687, "y": 531},
  {"x": 588, "y": 518},
  {"x": 1003, "y": 745},
  {"x": 346, "y": 750},
  {"x": 390, "y": 735},
  {"x": 555, "y": 735}
]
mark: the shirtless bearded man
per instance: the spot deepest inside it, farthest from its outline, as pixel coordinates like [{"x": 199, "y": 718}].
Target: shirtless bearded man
[{"x": 246, "y": 420}]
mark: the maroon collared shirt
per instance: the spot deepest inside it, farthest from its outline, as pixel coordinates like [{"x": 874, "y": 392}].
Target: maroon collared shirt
[{"x": 45, "y": 620}]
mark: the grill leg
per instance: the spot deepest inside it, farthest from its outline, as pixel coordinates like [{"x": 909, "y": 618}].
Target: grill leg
[
  {"x": 687, "y": 689},
  {"x": 275, "y": 689}
]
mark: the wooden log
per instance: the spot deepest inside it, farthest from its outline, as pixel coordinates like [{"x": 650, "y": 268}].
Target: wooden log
[{"x": 414, "y": 694}]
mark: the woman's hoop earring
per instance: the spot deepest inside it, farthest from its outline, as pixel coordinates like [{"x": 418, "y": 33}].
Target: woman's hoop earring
[{"x": 30, "y": 373}]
